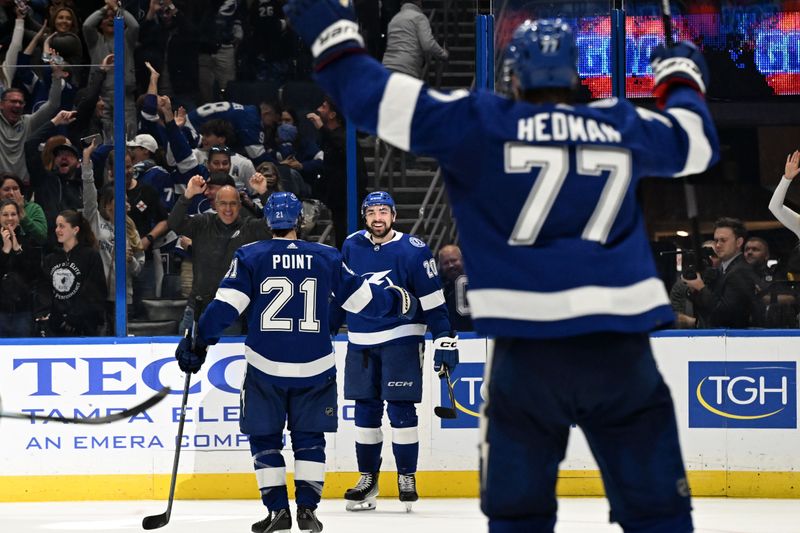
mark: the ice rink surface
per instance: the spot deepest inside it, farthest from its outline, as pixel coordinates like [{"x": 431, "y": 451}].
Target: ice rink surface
[{"x": 576, "y": 515}]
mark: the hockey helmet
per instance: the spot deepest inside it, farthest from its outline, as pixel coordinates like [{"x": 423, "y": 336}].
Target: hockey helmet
[
  {"x": 542, "y": 54},
  {"x": 282, "y": 210},
  {"x": 377, "y": 198}
]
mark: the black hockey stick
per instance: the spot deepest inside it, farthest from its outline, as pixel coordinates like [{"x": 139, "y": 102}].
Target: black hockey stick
[
  {"x": 116, "y": 417},
  {"x": 161, "y": 520},
  {"x": 689, "y": 192},
  {"x": 441, "y": 411}
]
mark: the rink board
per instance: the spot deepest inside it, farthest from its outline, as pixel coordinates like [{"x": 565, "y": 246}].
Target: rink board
[{"x": 735, "y": 395}]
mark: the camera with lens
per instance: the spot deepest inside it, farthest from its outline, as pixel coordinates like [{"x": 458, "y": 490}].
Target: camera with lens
[{"x": 690, "y": 263}]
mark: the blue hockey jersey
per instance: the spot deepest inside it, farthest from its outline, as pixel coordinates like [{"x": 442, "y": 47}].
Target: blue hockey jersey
[
  {"x": 407, "y": 262},
  {"x": 544, "y": 195},
  {"x": 246, "y": 121},
  {"x": 289, "y": 286}
]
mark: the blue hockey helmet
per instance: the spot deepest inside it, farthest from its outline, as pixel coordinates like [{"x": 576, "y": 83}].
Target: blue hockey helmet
[
  {"x": 377, "y": 198},
  {"x": 282, "y": 210},
  {"x": 542, "y": 54}
]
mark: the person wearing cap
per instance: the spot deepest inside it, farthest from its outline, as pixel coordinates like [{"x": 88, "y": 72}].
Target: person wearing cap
[
  {"x": 143, "y": 150},
  {"x": 150, "y": 217},
  {"x": 59, "y": 188},
  {"x": 215, "y": 235}
]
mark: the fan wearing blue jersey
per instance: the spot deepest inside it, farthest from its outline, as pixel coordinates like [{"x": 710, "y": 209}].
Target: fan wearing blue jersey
[
  {"x": 384, "y": 355},
  {"x": 561, "y": 274},
  {"x": 245, "y": 119},
  {"x": 289, "y": 286}
]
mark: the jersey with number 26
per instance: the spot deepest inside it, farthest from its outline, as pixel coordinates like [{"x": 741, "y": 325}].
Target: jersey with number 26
[{"x": 544, "y": 195}]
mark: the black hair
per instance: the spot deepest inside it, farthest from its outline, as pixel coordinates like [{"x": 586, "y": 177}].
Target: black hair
[
  {"x": 736, "y": 225},
  {"x": 220, "y": 128}
]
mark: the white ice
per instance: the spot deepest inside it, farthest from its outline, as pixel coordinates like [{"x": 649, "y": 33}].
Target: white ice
[{"x": 576, "y": 515}]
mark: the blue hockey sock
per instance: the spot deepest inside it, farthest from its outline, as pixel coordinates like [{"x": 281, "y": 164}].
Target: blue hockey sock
[
  {"x": 270, "y": 470},
  {"x": 309, "y": 467},
  {"x": 405, "y": 438},
  {"x": 369, "y": 437}
]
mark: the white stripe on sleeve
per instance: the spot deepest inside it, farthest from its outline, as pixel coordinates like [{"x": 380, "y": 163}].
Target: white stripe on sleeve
[
  {"x": 397, "y": 109},
  {"x": 359, "y": 299},
  {"x": 434, "y": 299},
  {"x": 699, "y": 148},
  {"x": 236, "y": 299}
]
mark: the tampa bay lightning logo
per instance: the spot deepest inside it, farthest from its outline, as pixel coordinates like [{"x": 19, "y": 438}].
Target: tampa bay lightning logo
[
  {"x": 378, "y": 278},
  {"x": 416, "y": 242}
]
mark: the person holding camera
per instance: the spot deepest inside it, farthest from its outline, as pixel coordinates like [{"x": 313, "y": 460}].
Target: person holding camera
[
  {"x": 685, "y": 316},
  {"x": 728, "y": 301}
]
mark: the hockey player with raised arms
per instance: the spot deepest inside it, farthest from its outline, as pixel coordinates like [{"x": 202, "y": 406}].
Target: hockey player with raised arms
[
  {"x": 561, "y": 274},
  {"x": 385, "y": 355},
  {"x": 289, "y": 286}
]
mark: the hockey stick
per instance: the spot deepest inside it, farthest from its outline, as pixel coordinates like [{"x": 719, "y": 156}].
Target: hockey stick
[
  {"x": 122, "y": 415},
  {"x": 689, "y": 192},
  {"x": 441, "y": 411},
  {"x": 161, "y": 520}
]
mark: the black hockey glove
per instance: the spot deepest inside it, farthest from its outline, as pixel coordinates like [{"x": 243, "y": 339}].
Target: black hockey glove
[{"x": 190, "y": 360}]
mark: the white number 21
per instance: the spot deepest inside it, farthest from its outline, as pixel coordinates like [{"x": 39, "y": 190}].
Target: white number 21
[{"x": 554, "y": 164}]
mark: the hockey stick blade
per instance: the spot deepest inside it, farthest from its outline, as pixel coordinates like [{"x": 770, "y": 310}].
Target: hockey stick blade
[
  {"x": 116, "y": 417},
  {"x": 444, "y": 412},
  {"x": 155, "y": 521}
]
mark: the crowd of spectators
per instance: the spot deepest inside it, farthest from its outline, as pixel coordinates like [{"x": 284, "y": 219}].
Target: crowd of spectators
[{"x": 198, "y": 165}]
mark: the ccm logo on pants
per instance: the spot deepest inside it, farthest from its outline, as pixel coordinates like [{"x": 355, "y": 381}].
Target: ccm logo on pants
[{"x": 400, "y": 384}]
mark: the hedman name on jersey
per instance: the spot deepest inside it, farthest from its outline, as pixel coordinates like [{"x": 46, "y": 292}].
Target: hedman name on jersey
[{"x": 558, "y": 126}]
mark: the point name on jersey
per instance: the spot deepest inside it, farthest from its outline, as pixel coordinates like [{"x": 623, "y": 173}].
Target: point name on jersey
[
  {"x": 292, "y": 261},
  {"x": 558, "y": 126}
]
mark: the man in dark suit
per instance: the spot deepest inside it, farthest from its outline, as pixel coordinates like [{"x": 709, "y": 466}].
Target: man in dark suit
[{"x": 728, "y": 301}]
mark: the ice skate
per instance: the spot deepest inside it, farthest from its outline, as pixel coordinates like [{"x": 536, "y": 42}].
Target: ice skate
[
  {"x": 407, "y": 489},
  {"x": 279, "y": 521},
  {"x": 363, "y": 496},
  {"x": 307, "y": 520}
]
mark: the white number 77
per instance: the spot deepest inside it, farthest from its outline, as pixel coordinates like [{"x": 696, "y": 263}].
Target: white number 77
[{"x": 554, "y": 164}]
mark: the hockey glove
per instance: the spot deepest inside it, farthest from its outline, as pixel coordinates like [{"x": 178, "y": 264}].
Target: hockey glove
[
  {"x": 445, "y": 352},
  {"x": 406, "y": 302},
  {"x": 683, "y": 64},
  {"x": 328, "y": 27},
  {"x": 190, "y": 360}
]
